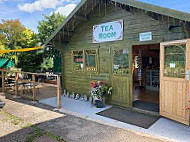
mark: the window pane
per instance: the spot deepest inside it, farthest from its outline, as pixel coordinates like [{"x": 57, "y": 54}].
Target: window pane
[
  {"x": 90, "y": 60},
  {"x": 121, "y": 61},
  {"x": 175, "y": 59},
  {"x": 78, "y": 60}
]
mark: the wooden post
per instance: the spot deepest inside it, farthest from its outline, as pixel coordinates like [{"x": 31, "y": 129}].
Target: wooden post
[
  {"x": 16, "y": 83},
  {"x": 58, "y": 92},
  {"x": 34, "y": 87},
  {"x": 3, "y": 82}
]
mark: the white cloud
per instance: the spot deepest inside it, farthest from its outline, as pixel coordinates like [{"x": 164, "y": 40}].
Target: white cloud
[
  {"x": 39, "y": 5},
  {"x": 66, "y": 10}
]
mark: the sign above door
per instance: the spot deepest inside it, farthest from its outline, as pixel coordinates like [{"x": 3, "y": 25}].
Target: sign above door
[
  {"x": 111, "y": 31},
  {"x": 145, "y": 36}
]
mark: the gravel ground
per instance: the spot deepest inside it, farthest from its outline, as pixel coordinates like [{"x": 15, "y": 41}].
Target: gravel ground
[{"x": 17, "y": 115}]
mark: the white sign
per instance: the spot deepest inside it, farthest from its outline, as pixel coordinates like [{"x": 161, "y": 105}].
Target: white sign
[
  {"x": 145, "y": 36},
  {"x": 172, "y": 65},
  {"x": 187, "y": 74},
  {"x": 110, "y": 31}
]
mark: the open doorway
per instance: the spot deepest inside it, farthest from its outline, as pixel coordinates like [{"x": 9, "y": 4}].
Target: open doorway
[{"x": 146, "y": 82}]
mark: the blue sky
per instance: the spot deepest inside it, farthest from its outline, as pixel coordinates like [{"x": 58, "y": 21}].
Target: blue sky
[{"x": 29, "y": 12}]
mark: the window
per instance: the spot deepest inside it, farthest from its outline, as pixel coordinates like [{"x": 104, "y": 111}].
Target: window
[
  {"x": 175, "y": 60},
  {"x": 85, "y": 60},
  {"x": 121, "y": 61},
  {"x": 78, "y": 61},
  {"x": 90, "y": 60}
]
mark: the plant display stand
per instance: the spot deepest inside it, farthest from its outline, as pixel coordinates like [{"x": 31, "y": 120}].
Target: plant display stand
[{"x": 152, "y": 80}]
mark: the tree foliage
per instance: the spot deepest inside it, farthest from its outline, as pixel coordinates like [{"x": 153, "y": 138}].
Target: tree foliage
[
  {"x": 11, "y": 33},
  {"x": 15, "y": 36},
  {"x": 49, "y": 25},
  {"x": 45, "y": 29},
  {"x": 28, "y": 39},
  {"x": 47, "y": 64},
  {"x": 30, "y": 61}
]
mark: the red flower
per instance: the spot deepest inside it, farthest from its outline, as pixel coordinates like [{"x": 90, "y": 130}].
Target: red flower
[
  {"x": 187, "y": 108},
  {"x": 100, "y": 82},
  {"x": 93, "y": 84}
]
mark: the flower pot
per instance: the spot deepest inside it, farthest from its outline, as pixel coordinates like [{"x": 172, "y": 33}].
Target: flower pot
[{"x": 99, "y": 104}]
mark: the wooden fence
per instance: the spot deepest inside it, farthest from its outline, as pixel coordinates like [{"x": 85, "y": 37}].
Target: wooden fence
[{"x": 13, "y": 81}]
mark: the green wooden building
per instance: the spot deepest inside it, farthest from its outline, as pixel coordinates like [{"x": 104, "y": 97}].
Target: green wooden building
[{"x": 119, "y": 42}]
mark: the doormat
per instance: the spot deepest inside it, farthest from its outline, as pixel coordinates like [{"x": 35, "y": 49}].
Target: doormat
[
  {"x": 146, "y": 106},
  {"x": 130, "y": 117}
]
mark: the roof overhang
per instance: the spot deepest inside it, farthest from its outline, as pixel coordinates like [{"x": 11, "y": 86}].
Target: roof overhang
[{"x": 81, "y": 13}]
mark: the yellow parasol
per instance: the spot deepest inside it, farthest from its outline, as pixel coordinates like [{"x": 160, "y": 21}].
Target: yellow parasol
[{"x": 20, "y": 50}]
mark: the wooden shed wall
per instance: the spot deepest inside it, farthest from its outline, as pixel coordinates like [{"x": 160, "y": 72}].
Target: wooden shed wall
[{"x": 134, "y": 23}]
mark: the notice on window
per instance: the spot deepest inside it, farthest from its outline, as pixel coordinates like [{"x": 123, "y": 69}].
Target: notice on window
[{"x": 172, "y": 65}]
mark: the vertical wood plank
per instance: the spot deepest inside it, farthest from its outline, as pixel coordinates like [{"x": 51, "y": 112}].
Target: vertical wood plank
[
  {"x": 188, "y": 68},
  {"x": 58, "y": 92},
  {"x": 16, "y": 83},
  {"x": 34, "y": 87},
  {"x": 3, "y": 81}
]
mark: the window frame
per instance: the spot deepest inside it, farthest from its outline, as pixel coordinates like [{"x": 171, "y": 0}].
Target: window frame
[
  {"x": 164, "y": 61},
  {"x": 84, "y": 61},
  {"x": 96, "y": 59}
]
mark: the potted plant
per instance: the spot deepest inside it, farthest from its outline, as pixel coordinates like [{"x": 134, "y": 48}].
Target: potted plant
[{"x": 99, "y": 91}]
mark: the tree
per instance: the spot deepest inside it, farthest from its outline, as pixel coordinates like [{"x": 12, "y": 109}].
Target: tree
[
  {"x": 3, "y": 40},
  {"x": 29, "y": 61},
  {"x": 28, "y": 39},
  {"x": 45, "y": 29},
  {"x": 11, "y": 32},
  {"x": 49, "y": 25},
  {"x": 47, "y": 64},
  {"x": 13, "y": 35},
  {"x": 10, "y": 37}
]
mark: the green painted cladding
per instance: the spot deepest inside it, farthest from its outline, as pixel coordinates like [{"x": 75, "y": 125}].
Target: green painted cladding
[{"x": 134, "y": 23}]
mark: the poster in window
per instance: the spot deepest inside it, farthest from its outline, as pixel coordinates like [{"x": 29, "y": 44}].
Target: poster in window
[
  {"x": 175, "y": 60},
  {"x": 121, "y": 61},
  {"x": 90, "y": 60},
  {"x": 78, "y": 60}
]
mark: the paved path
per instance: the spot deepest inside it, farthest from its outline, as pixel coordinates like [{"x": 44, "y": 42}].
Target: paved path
[{"x": 15, "y": 116}]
